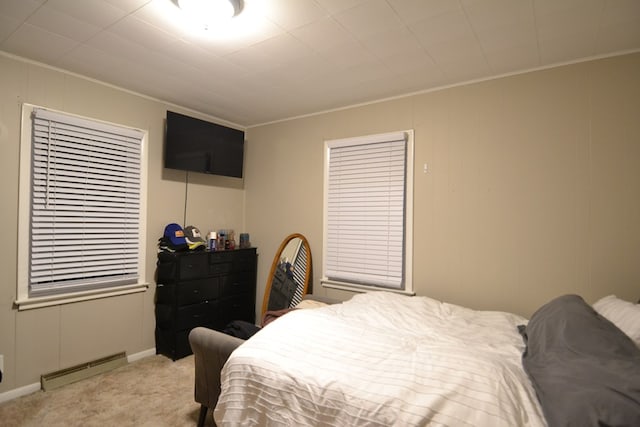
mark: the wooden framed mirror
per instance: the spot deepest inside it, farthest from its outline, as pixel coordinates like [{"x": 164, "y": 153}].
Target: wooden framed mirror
[{"x": 290, "y": 275}]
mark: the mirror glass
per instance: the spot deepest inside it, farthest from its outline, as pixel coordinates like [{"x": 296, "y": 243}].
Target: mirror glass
[{"x": 289, "y": 278}]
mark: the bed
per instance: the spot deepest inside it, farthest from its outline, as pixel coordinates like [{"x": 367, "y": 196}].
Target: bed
[{"x": 383, "y": 359}]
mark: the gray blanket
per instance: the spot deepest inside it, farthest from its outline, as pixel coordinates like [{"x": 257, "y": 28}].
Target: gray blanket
[{"x": 586, "y": 372}]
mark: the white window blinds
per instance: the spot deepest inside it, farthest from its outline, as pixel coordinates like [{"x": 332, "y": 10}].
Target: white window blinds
[
  {"x": 85, "y": 204},
  {"x": 365, "y": 210}
]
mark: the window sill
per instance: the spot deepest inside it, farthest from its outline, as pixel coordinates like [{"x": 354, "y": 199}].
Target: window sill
[
  {"x": 51, "y": 300},
  {"x": 352, "y": 287}
]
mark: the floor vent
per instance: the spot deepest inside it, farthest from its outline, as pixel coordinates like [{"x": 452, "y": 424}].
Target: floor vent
[{"x": 66, "y": 376}]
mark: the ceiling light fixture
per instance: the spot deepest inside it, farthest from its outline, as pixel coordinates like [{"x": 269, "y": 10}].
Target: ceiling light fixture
[{"x": 210, "y": 12}]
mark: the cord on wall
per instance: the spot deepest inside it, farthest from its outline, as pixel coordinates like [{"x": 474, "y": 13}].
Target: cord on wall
[{"x": 186, "y": 196}]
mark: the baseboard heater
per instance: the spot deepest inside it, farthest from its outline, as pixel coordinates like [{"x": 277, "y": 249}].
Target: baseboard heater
[{"x": 70, "y": 375}]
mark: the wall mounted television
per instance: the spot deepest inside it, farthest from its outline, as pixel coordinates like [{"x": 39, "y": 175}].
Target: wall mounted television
[{"x": 199, "y": 146}]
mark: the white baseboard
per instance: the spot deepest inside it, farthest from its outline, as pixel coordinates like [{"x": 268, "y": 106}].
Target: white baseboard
[
  {"x": 141, "y": 355},
  {"x": 32, "y": 388},
  {"x": 19, "y": 392}
]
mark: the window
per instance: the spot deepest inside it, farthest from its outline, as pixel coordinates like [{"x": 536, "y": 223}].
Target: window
[
  {"x": 82, "y": 208},
  {"x": 368, "y": 212}
]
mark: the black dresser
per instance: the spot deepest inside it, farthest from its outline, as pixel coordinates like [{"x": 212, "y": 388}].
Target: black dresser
[{"x": 202, "y": 289}]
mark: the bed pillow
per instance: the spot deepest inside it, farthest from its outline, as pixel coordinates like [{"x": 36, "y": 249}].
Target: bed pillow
[
  {"x": 311, "y": 303},
  {"x": 624, "y": 314},
  {"x": 585, "y": 370}
]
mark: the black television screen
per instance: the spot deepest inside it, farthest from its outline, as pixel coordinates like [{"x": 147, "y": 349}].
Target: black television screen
[{"x": 197, "y": 145}]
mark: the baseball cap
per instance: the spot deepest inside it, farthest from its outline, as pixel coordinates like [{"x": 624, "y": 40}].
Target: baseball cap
[
  {"x": 193, "y": 237},
  {"x": 175, "y": 234}
]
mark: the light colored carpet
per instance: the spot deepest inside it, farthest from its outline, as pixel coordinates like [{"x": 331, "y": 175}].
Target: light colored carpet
[{"x": 153, "y": 391}]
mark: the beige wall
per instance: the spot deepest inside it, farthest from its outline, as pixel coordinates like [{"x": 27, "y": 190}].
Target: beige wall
[
  {"x": 38, "y": 341},
  {"x": 532, "y": 188}
]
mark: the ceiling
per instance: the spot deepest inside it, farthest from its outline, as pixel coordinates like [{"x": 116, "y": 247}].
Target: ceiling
[{"x": 286, "y": 58}]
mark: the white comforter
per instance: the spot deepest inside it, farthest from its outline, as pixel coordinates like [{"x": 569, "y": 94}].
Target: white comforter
[{"x": 381, "y": 359}]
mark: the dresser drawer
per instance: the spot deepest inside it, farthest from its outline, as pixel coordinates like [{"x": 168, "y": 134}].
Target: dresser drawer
[
  {"x": 194, "y": 266},
  {"x": 166, "y": 270},
  {"x": 237, "y": 283},
  {"x": 237, "y": 307},
  {"x": 182, "y": 347},
  {"x": 220, "y": 268},
  {"x": 245, "y": 263},
  {"x": 222, "y": 256},
  {"x": 164, "y": 316},
  {"x": 165, "y": 293},
  {"x": 193, "y": 315},
  {"x": 198, "y": 290}
]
